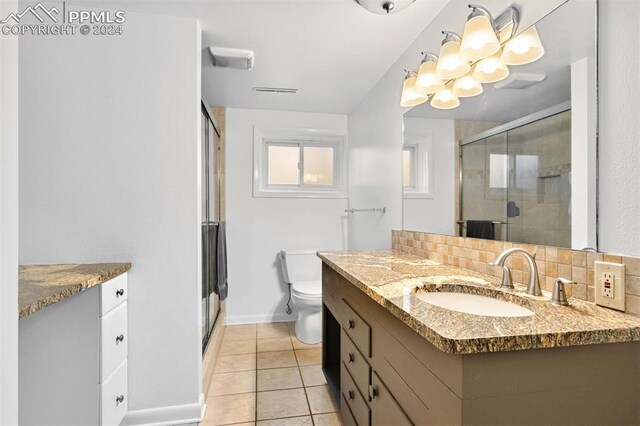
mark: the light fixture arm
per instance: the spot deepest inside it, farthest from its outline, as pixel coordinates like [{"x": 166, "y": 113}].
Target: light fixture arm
[
  {"x": 429, "y": 57},
  {"x": 450, "y": 36},
  {"x": 477, "y": 10}
]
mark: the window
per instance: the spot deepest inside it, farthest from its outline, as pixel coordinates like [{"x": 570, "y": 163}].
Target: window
[
  {"x": 408, "y": 167},
  {"x": 298, "y": 163},
  {"x": 417, "y": 170}
]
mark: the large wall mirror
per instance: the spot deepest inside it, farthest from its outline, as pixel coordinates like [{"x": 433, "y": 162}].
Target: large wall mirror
[{"x": 516, "y": 162}]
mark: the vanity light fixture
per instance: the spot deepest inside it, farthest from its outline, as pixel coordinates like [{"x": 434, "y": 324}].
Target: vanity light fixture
[
  {"x": 427, "y": 79},
  {"x": 524, "y": 48},
  {"x": 479, "y": 39},
  {"x": 490, "y": 70},
  {"x": 412, "y": 96},
  {"x": 450, "y": 65},
  {"x": 445, "y": 98},
  {"x": 467, "y": 86},
  {"x": 384, "y": 7},
  {"x": 481, "y": 56}
]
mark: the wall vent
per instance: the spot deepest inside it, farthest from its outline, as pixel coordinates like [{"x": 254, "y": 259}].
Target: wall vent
[
  {"x": 275, "y": 90},
  {"x": 520, "y": 81}
]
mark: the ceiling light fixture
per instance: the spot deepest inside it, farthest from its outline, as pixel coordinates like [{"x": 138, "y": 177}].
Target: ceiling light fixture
[
  {"x": 450, "y": 65},
  {"x": 385, "y": 7},
  {"x": 481, "y": 56},
  {"x": 479, "y": 39},
  {"x": 523, "y": 49},
  {"x": 427, "y": 79},
  {"x": 412, "y": 96}
]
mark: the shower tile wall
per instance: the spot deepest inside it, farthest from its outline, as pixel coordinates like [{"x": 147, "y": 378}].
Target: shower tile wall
[{"x": 552, "y": 262}]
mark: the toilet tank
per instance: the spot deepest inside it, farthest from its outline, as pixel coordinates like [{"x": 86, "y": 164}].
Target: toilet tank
[{"x": 301, "y": 266}]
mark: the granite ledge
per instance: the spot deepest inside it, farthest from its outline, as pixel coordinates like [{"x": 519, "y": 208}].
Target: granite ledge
[
  {"x": 40, "y": 286},
  {"x": 391, "y": 278}
]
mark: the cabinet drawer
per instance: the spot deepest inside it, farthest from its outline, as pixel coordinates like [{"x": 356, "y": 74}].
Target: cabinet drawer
[
  {"x": 114, "y": 397},
  {"x": 345, "y": 414},
  {"x": 113, "y": 339},
  {"x": 384, "y": 408},
  {"x": 355, "y": 400},
  {"x": 113, "y": 293},
  {"x": 355, "y": 363},
  {"x": 357, "y": 329}
]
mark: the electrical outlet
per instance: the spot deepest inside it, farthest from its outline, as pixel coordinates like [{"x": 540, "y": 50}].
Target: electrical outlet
[{"x": 609, "y": 285}]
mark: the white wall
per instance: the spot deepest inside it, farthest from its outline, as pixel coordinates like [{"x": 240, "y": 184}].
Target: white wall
[
  {"x": 109, "y": 171},
  {"x": 435, "y": 215},
  {"x": 258, "y": 228},
  {"x": 375, "y": 125},
  {"x": 618, "y": 147},
  {"x": 8, "y": 223}
]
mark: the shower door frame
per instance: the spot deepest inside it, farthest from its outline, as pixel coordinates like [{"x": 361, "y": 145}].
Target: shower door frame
[{"x": 503, "y": 128}]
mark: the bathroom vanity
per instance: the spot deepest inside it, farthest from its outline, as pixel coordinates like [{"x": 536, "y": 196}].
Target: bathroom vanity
[
  {"x": 73, "y": 344},
  {"x": 393, "y": 359}
]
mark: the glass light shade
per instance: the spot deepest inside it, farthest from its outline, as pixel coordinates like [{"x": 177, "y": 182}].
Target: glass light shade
[
  {"x": 523, "y": 49},
  {"x": 478, "y": 40},
  {"x": 445, "y": 98},
  {"x": 467, "y": 86},
  {"x": 490, "y": 70},
  {"x": 450, "y": 65},
  {"x": 412, "y": 96},
  {"x": 427, "y": 79}
]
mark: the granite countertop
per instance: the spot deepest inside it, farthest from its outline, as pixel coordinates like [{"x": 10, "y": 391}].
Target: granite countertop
[
  {"x": 391, "y": 278},
  {"x": 40, "y": 286}
]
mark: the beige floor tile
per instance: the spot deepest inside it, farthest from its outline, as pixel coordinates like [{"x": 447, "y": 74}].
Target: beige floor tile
[
  {"x": 233, "y": 347},
  {"x": 297, "y": 344},
  {"x": 309, "y": 356},
  {"x": 320, "y": 400},
  {"x": 329, "y": 419},
  {"x": 279, "y": 378},
  {"x": 282, "y": 403},
  {"x": 231, "y": 363},
  {"x": 239, "y": 333},
  {"x": 277, "y": 359},
  {"x": 232, "y": 383},
  {"x": 270, "y": 345},
  {"x": 229, "y": 409},
  {"x": 312, "y": 375},
  {"x": 272, "y": 330},
  {"x": 289, "y": 421}
]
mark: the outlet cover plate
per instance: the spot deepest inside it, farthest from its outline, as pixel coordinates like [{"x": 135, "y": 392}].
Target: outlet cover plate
[{"x": 606, "y": 269}]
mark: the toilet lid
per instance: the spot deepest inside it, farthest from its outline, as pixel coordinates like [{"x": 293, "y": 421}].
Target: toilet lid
[{"x": 309, "y": 288}]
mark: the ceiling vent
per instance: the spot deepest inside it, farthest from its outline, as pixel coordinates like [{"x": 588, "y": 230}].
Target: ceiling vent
[
  {"x": 274, "y": 90},
  {"x": 520, "y": 81}
]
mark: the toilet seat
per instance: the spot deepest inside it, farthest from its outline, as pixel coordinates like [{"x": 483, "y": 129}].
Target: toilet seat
[{"x": 307, "y": 288}]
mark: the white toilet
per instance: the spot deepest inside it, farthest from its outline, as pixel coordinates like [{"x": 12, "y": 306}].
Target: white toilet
[{"x": 303, "y": 272}]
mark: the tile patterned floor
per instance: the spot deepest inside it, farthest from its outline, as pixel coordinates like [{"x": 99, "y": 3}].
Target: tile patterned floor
[{"x": 264, "y": 376}]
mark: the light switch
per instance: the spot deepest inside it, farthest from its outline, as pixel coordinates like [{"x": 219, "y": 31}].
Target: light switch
[{"x": 610, "y": 285}]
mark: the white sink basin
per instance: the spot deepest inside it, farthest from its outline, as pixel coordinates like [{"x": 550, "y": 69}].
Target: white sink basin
[{"x": 474, "y": 304}]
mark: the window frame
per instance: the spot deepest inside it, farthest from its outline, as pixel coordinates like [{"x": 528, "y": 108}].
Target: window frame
[
  {"x": 422, "y": 162},
  {"x": 413, "y": 181},
  {"x": 301, "y": 138}
]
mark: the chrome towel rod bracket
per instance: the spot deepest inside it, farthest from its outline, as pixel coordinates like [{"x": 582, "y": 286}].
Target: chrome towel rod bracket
[{"x": 375, "y": 209}]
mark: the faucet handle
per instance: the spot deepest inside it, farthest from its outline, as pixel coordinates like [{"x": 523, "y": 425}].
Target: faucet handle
[{"x": 559, "y": 297}]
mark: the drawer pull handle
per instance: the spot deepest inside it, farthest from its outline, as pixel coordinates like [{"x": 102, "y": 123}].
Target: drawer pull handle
[
  {"x": 120, "y": 292},
  {"x": 352, "y": 358},
  {"x": 119, "y": 399},
  {"x": 120, "y": 338},
  {"x": 373, "y": 392},
  {"x": 352, "y": 395},
  {"x": 352, "y": 324}
]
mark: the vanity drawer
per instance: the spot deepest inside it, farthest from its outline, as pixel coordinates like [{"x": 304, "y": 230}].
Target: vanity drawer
[
  {"x": 355, "y": 362},
  {"x": 113, "y": 340},
  {"x": 354, "y": 398},
  {"x": 385, "y": 409},
  {"x": 114, "y": 397},
  {"x": 345, "y": 413},
  {"x": 357, "y": 329},
  {"x": 113, "y": 293}
]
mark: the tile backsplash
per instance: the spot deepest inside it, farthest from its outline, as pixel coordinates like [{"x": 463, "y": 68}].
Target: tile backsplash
[{"x": 475, "y": 254}]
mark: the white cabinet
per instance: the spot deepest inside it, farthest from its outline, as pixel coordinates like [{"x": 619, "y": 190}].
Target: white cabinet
[{"x": 73, "y": 359}]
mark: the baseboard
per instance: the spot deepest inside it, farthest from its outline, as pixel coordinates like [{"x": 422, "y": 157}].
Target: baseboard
[
  {"x": 262, "y": 318},
  {"x": 172, "y": 415}
]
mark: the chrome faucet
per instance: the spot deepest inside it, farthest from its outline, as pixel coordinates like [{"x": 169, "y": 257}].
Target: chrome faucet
[{"x": 534, "y": 281}]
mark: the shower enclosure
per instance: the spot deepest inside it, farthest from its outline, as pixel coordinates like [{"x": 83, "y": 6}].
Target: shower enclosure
[
  {"x": 518, "y": 176},
  {"x": 210, "y": 199}
]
